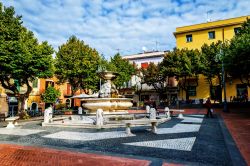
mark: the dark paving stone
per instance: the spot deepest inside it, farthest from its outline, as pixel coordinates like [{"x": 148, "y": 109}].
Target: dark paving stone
[{"x": 209, "y": 147}]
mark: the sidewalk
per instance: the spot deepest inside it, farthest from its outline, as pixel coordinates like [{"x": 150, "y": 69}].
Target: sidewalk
[
  {"x": 238, "y": 124},
  {"x": 25, "y": 155}
]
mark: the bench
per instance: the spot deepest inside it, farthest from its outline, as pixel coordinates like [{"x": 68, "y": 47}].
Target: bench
[
  {"x": 130, "y": 123},
  {"x": 2, "y": 116},
  {"x": 180, "y": 112},
  {"x": 12, "y": 121}
]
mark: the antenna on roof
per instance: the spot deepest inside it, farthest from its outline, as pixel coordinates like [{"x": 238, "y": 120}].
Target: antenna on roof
[
  {"x": 208, "y": 12},
  {"x": 144, "y": 49},
  {"x": 156, "y": 44}
]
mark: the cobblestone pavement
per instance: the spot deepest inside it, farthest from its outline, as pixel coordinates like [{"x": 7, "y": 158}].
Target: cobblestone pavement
[
  {"x": 11, "y": 155},
  {"x": 238, "y": 123},
  {"x": 194, "y": 140}
]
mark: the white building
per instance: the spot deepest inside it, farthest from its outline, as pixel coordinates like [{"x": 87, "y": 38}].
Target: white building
[{"x": 142, "y": 60}]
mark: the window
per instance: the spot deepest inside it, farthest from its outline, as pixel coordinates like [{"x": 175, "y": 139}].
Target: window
[
  {"x": 68, "y": 89},
  {"x": 241, "y": 90},
  {"x": 49, "y": 83},
  {"x": 191, "y": 90},
  {"x": 189, "y": 38},
  {"x": 215, "y": 93},
  {"x": 236, "y": 30},
  {"x": 144, "y": 65},
  {"x": 68, "y": 103},
  {"x": 211, "y": 35},
  {"x": 35, "y": 83}
]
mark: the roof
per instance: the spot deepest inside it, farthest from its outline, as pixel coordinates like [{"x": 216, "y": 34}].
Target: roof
[
  {"x": 212, "y": 24},
  {"x": 145, "y": 55}
]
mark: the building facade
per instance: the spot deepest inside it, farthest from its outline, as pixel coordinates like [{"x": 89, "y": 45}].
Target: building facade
[
  {"x": 193, "y": 37},
  {"x": 9, "y": 103},
  {"x": 136, "y": 88}
]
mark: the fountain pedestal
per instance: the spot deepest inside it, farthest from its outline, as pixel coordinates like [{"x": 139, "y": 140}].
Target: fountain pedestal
[{"x": 105, "y": 100}]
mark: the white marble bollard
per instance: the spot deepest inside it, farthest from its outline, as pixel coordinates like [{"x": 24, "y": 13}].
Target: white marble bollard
[
  {"x": 99, "y": 117},
  {"x": 80, "y": 110},
  {"x": 152, "y": 112},
  {"x": 147, "y": 109},
  {"x": 47, "y": 115},
  {"x": 167, "y": 112}
]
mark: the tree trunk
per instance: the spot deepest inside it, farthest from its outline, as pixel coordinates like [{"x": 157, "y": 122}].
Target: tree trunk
[
  {"x": 21, "y": 103},
  {"x": 187, "y": 95},
  {"x": 21, "y": 110}
]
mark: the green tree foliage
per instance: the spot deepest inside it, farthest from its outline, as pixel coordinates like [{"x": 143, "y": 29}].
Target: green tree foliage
[
  {"x": 183, "y": 64},
  {"x": 50, "y": 95},
  {"x": 153, "y": 76},
  {"x": 211, "y": 62},
  {"x": 77, "y": 64},
  {"x": 123, "y": 68},
  {"x": 22, "y": 58},
  {"x": 237, "y": 57}
]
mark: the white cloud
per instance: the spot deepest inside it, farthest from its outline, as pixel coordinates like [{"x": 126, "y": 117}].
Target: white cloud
[{"x": 127, "y": 25}]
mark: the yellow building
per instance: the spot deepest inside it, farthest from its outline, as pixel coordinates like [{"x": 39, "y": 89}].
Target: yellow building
[
  {"x": 194, "y": 36},
  {"x": 9, "y": 105}
]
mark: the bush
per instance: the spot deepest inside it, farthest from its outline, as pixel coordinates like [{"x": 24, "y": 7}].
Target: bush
[{"x": 60, "y": 106}]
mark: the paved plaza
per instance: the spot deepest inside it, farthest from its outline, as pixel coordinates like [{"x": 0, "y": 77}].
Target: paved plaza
[{"x": 194, "y": 140}]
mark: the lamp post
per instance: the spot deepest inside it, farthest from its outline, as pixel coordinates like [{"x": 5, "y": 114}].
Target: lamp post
[{"x": 220, "y": 57}]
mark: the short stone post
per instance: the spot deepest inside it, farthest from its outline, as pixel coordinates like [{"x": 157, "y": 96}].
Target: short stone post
[
  {"x": 99, "y": 118},
  {"x": 154, "y": 128},
  {"x": 128, "y": 130},
  {"x": 47, "y": 115},
  {"x": 167, "y": 112},
  {"x": 147, "y": 109},
  {"x": 80, "y": 110},
  {"x": 152, "y": 112}
]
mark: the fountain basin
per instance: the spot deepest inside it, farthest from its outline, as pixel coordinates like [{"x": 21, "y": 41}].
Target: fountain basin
[{"x": 107, "y": 104}]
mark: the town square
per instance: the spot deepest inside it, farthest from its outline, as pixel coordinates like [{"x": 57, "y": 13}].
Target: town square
[{"x": 133, "y": 82}]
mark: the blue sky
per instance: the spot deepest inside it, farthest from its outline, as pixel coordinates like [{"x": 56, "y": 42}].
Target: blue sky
[{"x": 120, "y": 25}]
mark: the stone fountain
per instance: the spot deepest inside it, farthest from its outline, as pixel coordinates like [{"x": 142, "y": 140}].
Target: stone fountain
[{"x": 108, "y": 98}]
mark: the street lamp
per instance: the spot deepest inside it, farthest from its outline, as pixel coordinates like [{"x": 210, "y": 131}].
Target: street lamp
[{"x": 220, "y": 56}]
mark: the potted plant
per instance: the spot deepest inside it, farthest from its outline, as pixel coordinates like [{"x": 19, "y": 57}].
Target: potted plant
[{"x": 67, "y": 111}]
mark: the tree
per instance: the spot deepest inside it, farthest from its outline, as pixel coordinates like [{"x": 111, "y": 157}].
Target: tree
[
  {"x": 184, "y": 65},
  {"x": 22, "y": 58},
  {"x": 50, "y": 95},
  {"x": 211, "y": 62},
  {"x": 237, "y": 57},
  {"x": 123, "y": 68},
  {"x": 77, "y": 64},
  {"x": 154, "y": 77}
]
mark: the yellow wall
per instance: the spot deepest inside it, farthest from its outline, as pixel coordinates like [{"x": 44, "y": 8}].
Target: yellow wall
[
  {"x": 224, "y": 30},
  {"x": 200, "y": 32}
]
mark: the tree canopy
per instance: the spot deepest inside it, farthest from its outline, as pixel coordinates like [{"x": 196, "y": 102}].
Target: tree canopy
[
  {"x": 183, "y": 64},
  {"x": 123, "y": 68},
  {"x": 77, "y": 63},
  {"x": 153, "y": 76},
  {"x": 211, "y": 61},
  {"x": 50, "y": 95},
  {"x": 22, "y": 57},
  {"x": 237, "y": 57}
]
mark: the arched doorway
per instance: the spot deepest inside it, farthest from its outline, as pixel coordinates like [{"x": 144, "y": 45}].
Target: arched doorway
[
  {"x": 34, "y": 106},
  {"x": 68, "y": 103}
]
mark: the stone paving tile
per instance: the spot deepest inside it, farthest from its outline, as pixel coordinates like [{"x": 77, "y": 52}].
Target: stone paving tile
[
  {"x": 238, "y": 123},
  {"x": 184, "y": 144},
  {"x": 208, "y": 149},
  {"x": 83, "y": 136},
  {"x": 20, "y": 132},
  {"x": 11, "y": 155}
]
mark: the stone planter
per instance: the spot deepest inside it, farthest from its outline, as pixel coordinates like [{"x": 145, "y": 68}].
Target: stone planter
[{"x": 67, "y": 112}]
